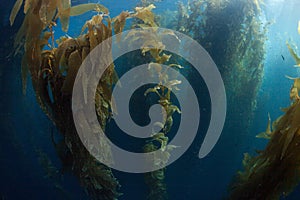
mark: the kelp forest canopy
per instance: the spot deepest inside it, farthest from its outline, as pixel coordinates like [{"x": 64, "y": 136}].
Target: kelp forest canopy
[{"x": 232, "y": 31}]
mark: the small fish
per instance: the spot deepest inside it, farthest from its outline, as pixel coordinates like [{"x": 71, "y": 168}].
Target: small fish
[{"x": 282, "y": 57}]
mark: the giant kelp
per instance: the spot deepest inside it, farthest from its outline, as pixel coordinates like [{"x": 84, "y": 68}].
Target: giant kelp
[
  {"x": 153, "y": 47},
  {"x": 233, "y": 33},
  {"x": 53, "y": 69},
  {"x": 274, "y": 172},
  {"x": 53, "y": 72}
]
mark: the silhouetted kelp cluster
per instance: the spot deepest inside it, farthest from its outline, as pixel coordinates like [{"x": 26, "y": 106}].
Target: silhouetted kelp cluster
[
  {"x": 233, "y": 33},
  {"x": 274, "y": 172}
]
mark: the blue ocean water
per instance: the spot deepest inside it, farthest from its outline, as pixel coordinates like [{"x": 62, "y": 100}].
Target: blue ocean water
[{"x": 26, "y": 131}]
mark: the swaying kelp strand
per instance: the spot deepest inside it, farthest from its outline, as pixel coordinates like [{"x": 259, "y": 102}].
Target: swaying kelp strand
[{"x": 154, "y": 47}]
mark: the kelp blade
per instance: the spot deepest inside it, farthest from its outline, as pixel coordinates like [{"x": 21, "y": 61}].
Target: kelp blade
[
  {"x": 83, "y": 8},
  {"x": 15, "y": 11}
]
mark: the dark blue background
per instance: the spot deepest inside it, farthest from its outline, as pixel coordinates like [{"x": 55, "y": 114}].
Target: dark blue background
[{"x": 24, "y": 128}]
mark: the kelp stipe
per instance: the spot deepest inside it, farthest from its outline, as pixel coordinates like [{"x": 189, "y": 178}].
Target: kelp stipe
[{"x": 153, "y": 48}]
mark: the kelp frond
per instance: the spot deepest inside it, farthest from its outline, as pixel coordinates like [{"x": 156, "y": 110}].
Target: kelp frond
[
  {"x": 83, "y": 8},
  {"x": 293, "y": 54},
  {"x": 146, "y": 15},
  {"x": 119, "y": 23},
  {"x": 268, "y": 133},
  {"x": 15, "y": 11}
]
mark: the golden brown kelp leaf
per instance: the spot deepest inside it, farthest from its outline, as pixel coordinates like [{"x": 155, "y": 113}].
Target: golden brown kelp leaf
[
  {"x": 85, "y": 52},
  {"x": 296, "y": 84},
  {"x": 294, "y": 92},
  {"x": 15, "y": 11},
  {"x": 41, "y": 81},
  {"x": 83, "y": 8},
  {"x": 102, "y": 33},
  {"x": 119, "y": 23},
  {"x": 43, "y": 12},
  {"x": 294, "y": 124},
  {"x": 32, "y": 44},
  {"x": 95, "y": 21},
  {"x": 64, "y": 9},
  {"x": 74, "y": 63},
  {"x": 152, "y": 43},
  {"x": 268, "y": 133},
  {"x": 84, "y": 44},
  {"x": 47, "y": 11},
  {"x": 63, "y": 52},
  {"x": 31, "y": 30},
  {"x": 18, "y": 43},
  {"x": 27, "y": 6},
  {"x": 145, "y": 14},
  {"x": 92, "y": 37},
  {"x": 290, "y": 133},
  {"x": 97, "y": 31},
  {"x": 293, "y": 54},
  {"x": 276, "y": 170}
]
